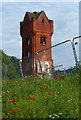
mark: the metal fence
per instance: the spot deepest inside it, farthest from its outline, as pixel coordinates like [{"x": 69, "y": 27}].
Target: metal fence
[{"x": 64, "y": 56}]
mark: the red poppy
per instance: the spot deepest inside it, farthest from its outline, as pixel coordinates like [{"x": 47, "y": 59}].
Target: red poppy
[
  {"x": 17, "y": 109},
  {"x": 11, "y": 101},
  {"x": 32, "y": 98},
  {"x": 49, "y": 93},
  {"x": 55, "y": 78},
  {"x": 42, "y": 87},
  {"x": 12, "y": 111},
  {"x": 62, "y": 75}
]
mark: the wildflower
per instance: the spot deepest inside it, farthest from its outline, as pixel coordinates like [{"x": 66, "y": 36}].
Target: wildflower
[
  {"x": 11, "y": 101},
  {"x": 62, "y": 75},
  {"x": 12, "y": 111},
  {"x": 50, "y": 115},
  {"x": 17, "y": 109},
  {"x": 32, "y": 98},
  {"x": 60, "y": 113},
  {"x": 49, "y": 93},
  {"x": 43, "y": 87},
  {"x": 56, "y": 116},
  {"x": 55, "y": 78},
  {"x": 53, "y": 117}
]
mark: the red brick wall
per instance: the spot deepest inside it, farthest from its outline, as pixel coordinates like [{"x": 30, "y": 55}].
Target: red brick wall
[{"x": 34, "y": 30}]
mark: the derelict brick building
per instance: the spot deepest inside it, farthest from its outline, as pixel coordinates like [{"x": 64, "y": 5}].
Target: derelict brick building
[{"x": 36, "y": 31}]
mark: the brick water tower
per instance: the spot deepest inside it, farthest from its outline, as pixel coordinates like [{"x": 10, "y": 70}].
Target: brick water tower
[{"x": 36, "y": 31}]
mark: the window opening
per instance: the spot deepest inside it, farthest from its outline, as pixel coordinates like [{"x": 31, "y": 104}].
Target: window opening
[
  {"x": 28, "y": 53},
  {"x": 28, "y": 41},
  {"x": 43, "y": 20},
  {"x": 42, "y": 40}
]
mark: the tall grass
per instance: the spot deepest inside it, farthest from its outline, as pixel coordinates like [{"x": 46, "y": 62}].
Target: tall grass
[{"x": 62, "y": 103}]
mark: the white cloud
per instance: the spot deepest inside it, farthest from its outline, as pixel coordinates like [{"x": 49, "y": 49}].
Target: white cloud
[
  {"x": 13, "y": 47},
  {"x": 14, "y": 43},
  {"x": 65, "y": 16}
]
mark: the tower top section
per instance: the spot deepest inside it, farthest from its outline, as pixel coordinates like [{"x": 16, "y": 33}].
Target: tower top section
[
  {"x": 35, "y": 14},
  {"x": 36, "y": 21}
]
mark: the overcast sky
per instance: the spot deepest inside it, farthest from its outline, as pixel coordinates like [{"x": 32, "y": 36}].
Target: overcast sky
[{"x": 66, "y": 26}]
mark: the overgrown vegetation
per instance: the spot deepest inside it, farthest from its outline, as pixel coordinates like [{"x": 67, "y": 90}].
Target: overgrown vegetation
[
  {"x": 10, "y": 67},
  {"x": 33, "y": 97},
  {"x": 52, "y": 98}
]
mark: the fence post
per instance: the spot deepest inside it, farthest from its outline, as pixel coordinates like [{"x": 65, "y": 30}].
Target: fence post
[
  {"x": 21, "y": 68},
  {"x": 74, "y": 50},
  {"x": 39, "y": 62}
]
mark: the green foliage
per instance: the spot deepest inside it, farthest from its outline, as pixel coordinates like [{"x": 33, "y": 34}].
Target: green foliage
[
  {"x": 10, "y": 67},
  {"x": 63, "y": 103},
  {"x": 0, "y": 63}
]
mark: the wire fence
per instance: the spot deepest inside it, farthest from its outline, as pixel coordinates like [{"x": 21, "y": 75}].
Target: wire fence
[
  {"x": 63, "y": 55},
  {"x": 53, "y": 60},
  {"x": 59, "y": 58}
]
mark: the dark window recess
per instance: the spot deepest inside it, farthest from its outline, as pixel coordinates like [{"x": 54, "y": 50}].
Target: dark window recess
[
  {"x": 28, "y": 41},
  {"x": 43, "y": 40},
  {"x": 43, "y": 20},
  {"x": 28, "y": 53}
]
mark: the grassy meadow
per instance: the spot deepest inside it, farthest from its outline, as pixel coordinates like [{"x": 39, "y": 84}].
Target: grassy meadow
[{"x": 33, "y": 97}]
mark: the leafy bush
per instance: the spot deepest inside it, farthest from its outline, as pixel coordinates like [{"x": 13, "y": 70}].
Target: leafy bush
[{"x": 10, "y": 67}]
